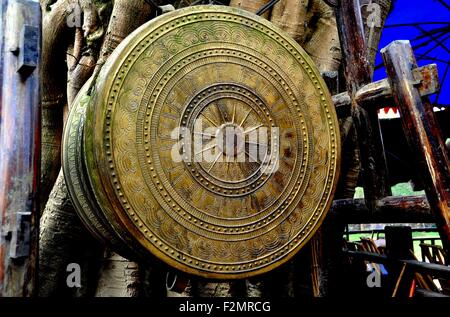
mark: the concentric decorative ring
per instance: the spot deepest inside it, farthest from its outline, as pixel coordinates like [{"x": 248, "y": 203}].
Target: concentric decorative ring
[
  {"x": 228, "y": 117},
  {"x": 211, "y": 141}
]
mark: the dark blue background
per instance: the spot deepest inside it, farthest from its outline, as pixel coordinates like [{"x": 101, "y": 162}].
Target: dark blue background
[{"x": 423, "y": 12}]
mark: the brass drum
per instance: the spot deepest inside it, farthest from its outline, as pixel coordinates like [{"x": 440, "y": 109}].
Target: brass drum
[
  {"x": 77, "y": 181},
  {"x": 210, "y": 142}
]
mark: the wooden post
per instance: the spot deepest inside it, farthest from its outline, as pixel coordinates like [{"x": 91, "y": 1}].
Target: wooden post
[
  {"x": 399, "y": 245},
  {"x": 357, "y": 74},
  {"x": 422, "y": 132},
  {"x": 398, "y": 242},
  {"x": 374, "y": 168},
  {"x": 19, "y": 145},
  {"x": 374, "y": 13}
]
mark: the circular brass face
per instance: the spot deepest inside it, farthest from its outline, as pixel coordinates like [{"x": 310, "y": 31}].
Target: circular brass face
[{"x": 212, "y": 141}]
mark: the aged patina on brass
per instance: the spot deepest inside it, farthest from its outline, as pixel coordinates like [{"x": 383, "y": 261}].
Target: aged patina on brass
[
  {"x": 218, "y": 219},
  {"x": 77, "y": 181}
]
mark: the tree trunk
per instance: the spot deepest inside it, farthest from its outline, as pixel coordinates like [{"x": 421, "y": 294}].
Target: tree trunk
[
  {"x": 55, "y": 33},
  {"x": 118, "y": 277},
  {"x": 63, "y": 239}
]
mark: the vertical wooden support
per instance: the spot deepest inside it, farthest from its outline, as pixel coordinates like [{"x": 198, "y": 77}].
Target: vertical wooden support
[
  {"x": 374, "y": 13},
  {"x": 398, "y": 242},
  {"x": 357, "y": 74},
  {"x": 327, "y": 244},
  {"x": 422, "y": 132},
  {"x": 399, "y": 245},
  {"x": 19, "y": 145}
]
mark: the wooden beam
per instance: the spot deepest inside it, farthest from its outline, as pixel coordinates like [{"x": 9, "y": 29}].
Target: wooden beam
[
  {"x": 358, "y": 74},
  {"x": 19, "y": 146},
  {"x": 419, "y": 267},
  {"x": 399, "y": 246},
  {"x": 379, "y": 94},
  {"x": 422, "y": 133},
  {"x": 402, "y": 209}
]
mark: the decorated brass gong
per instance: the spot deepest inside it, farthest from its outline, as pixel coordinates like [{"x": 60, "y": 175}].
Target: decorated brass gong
[
  {"x": 77, "y": 182},
  {"x": 212, "y": 143}
]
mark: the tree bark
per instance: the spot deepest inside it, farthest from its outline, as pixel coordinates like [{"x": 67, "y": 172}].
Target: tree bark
[
  {"x": 313, "y": 25},
  {"x": 63, "y": 239},
  {"x": 55, "y": 33},
  {"x": 118, "y": 277}
]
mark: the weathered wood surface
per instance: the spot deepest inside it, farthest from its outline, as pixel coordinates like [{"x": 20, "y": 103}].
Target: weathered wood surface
[
  {"x": 19, "y": 145},
  {"x": 374, "y": 14},
  {"x": 379, "y": 94},
  {"x": 358, "y": 73},
  {"x": 364, "y": 126},
  {"x": 401, "y": 209},
  {"x": 422, "y": 132}
]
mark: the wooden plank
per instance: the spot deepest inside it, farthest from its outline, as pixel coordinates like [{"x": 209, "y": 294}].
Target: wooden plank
[
  {"x": 19, "y": 146},
  {"x": 358, "y": 74},
  {"x": 422, "y": 133}
]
